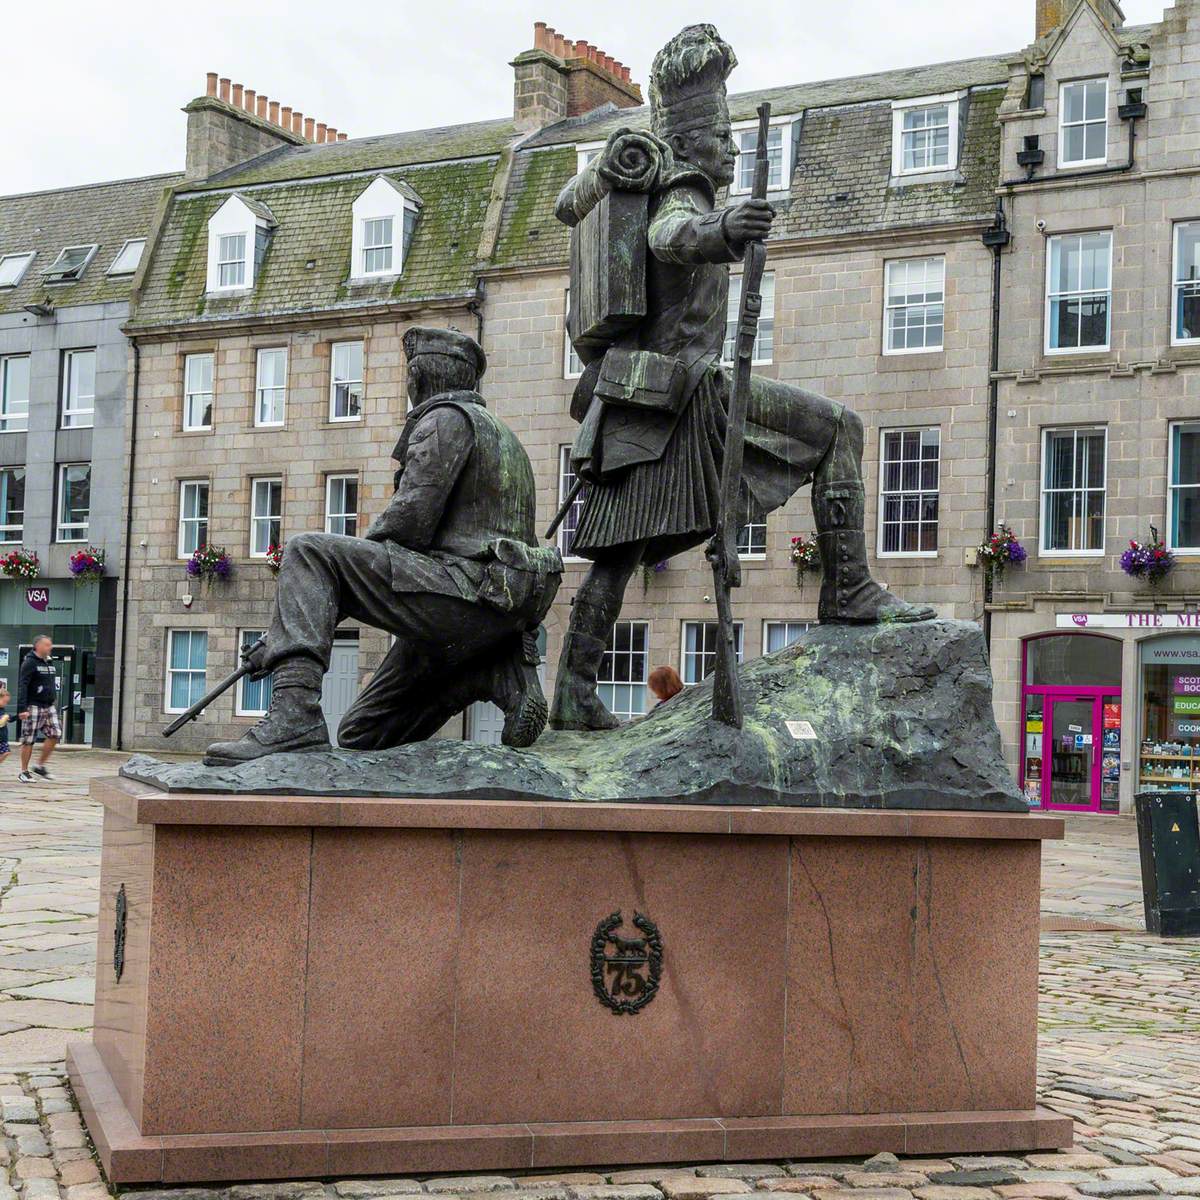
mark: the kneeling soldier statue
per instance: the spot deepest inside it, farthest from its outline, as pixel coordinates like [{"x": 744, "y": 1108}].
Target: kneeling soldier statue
[{"x": 451, "y": 568}]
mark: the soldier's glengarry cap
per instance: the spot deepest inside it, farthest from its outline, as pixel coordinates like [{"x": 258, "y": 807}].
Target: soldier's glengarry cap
[
  {"x": 425, "y": 339},
  {"x": 687, "y": 80}
]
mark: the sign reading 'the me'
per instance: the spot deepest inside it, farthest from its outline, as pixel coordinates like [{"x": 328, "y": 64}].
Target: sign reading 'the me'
[{"x": 1138, "y": 620}]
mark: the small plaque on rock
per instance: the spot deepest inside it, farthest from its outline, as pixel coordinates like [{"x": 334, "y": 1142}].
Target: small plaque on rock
[{"x": 801, "y": 731}]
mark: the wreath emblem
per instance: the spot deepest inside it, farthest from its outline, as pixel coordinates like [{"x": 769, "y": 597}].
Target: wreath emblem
[
  {"x": 122, "y": 907},
  {"x": 626, "y": 971}
]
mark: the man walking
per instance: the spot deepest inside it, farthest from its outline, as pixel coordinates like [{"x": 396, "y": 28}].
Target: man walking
[{"x": 37, "y": 707}]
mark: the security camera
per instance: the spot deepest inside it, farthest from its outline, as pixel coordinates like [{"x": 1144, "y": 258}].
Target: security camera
[{"x": 1041, "y": 227}]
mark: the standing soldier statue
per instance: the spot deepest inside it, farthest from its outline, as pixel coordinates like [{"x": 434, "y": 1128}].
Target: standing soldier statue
[{"x": 649, "y": 295}]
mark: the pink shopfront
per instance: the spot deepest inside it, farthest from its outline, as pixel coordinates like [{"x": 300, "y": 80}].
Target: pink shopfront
[{"x": 1083, "y": 730}]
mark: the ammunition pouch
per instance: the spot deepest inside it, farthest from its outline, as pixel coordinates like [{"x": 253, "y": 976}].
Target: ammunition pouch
[
  {"x": 642, "y": 379},
  {"x": 520, "y": 579}
]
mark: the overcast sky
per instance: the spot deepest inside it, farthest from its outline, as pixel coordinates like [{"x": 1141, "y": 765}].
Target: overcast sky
[{"x": 93, "y": 91}]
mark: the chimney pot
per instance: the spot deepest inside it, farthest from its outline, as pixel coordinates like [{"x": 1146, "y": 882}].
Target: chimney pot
[
  {"x": 249, "y": 99},
  {"x": 330, "y": 134},
  {"x": 297, "y": 121},
  {"x": 309, "y": 122},
  {"x": 273, "y": 112},
  {"x": 610, "y": 64},
  {"x": 237, "y": 95},
  {"x": 581, "y": 49},
  {"x": 342, "y": 137},
  {"x": 321, "y": 129},
  {"x": 541, "y": 40},
  {"x": 261, "y": 111},
  {"x": 285, "y": 117},
  {"x": 210, "y": 84},
  {"x": 224, "y": 88}
]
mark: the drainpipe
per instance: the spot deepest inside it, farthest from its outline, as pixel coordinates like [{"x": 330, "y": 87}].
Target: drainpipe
[
  {"x": 996, "y": 237},
  {"x": 119, "y": 741}
]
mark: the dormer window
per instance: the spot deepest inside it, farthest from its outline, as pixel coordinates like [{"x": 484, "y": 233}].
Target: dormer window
[
  {"x": 925, "y": 135},
  {"x": 128, "y": 257},
  {"x": 384, "y": 216},
  {"x": 13, "y": 268},
  {"x": 70, "y": 264},
  {"x": 779, "y": 157},
  {"x": 238, "y": 235},
  {"x": 1083, "y": 123},
  {"x": 585, "y": 152}
]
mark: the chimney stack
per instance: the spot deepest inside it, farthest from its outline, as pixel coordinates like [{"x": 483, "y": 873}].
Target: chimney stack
[
  {"x": 1050, "y": 14},
  {"x": 232, "y": 123},
  {"x": 561, "y": 78}
]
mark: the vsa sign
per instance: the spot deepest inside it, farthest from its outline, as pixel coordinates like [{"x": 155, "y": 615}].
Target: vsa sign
[{"x": 38, "y": 598}]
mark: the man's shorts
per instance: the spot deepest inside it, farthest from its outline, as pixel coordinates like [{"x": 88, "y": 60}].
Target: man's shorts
[{"x": 42, "y": 721}]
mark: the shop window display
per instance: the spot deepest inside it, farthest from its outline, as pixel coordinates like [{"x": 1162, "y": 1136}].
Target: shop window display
[{"x": 1170, "y": 746}]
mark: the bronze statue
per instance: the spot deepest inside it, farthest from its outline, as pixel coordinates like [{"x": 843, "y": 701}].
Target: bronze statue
[
  {"x": 648, "y": 321},
  {"x": 451, "y": 567}
]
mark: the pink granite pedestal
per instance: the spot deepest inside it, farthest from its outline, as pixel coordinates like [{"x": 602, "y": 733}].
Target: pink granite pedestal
[{"x": 339, "y": 986}]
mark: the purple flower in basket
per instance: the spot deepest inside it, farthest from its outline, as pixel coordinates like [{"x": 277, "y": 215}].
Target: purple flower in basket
[
  {"x": 1017, "y": 553},
  {"x": 222, "y": 567},
  {"x": 1151, "y": 560}
]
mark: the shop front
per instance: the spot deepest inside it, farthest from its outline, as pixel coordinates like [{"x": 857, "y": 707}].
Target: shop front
[
  {"x": 1071, "y": 722},
  {"x": 69, "y": 613},
  {"x": 1169, "y": 752}
]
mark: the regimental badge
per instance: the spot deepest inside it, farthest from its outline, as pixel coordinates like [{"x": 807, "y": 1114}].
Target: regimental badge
[
  {"x": 626, "y": 971},
  {"x": 119, "y": 933}
]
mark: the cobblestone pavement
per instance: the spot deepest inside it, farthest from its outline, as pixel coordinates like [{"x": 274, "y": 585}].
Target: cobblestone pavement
[{"x": 1119, "y": 1044}]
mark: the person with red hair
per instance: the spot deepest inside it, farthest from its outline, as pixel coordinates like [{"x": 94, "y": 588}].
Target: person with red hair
[{"x": 664, "y": 683}]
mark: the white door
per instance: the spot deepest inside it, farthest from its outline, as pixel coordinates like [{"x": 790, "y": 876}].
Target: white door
[
  {"x": 485, "y": 721},
  {"x": 340, "y": 686}
]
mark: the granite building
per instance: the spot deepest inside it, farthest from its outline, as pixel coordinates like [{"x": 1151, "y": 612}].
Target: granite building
[{"x": 67, "y": 262}]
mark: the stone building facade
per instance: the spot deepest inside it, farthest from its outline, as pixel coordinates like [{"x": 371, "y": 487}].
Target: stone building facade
[
  {"x": 1098, "y": 395},
  {"x": 67, "y": 261}
]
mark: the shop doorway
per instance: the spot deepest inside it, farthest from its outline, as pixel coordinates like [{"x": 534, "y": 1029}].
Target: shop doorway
[
  {"x": 75, "y": 690},
  {"x": 1071, "y": 723}
]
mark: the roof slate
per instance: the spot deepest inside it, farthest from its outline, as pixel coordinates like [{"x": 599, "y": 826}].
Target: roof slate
[
  {"x": 314, "y": 224},
  {"x": 105, "y": 213}
]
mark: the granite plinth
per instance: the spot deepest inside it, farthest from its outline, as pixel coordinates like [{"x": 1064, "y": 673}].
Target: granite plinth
[
  {"x": 354, "y": 985},
  {"x": 877, "y": 716}
]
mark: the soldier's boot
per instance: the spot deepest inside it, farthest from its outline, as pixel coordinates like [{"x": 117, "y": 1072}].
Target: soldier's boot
[
  {"x": 293, "y": 723},
  {"x": 576, "y": 703},
  {"x": 849, "y": 596},
  {"x": 513, "y": 685}
]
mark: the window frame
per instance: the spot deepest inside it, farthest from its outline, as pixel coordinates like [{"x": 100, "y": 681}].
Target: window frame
[
  {"x": 241, "y": 285},
  {"x": 28, "y": 256},
  {"x": 112, "y": 267},
  {"x": 952, "y": 102},
  {"x": 921, "y": 493},
  {"x": 732, "y": 312},
  {"x": 60, "y": 495},
  {"x": 1177, "y": 284},
  {"x": 77, "y": 272},
  {"x": 259, "y": 354},
  {"x": 255, "y": 519},
  {"x": 68, "y": 374},
  {"x": 769, "y": 622},
  {"x": 1043, "y": 552},
  {"x": 170, "y": 671},
  {"x": 889, "y": 307},
  {"x": 341, "y": 477},
  {"x": 247, "y": 638},
  {"x": 368, "y": 248},
  {"x": 361, "y": 381},
  {"x": 188, "y": 395},
  {"x": 740, "y": 129},
  {"x": 5, "y": 418},
  {"x": 585, "y": 152},
  {"x": 631, "y": 654},
  {"x": 739, "y": 645},
  {"x": 1049, "y": 297},
  {"x": 6, "y": 540},
  {"x": 1063, "y": 124},
  {"x": 750, "y": 554},
  {"x": 564, "y": 459},
  {"x": 184, "y": 521},
  {"x": 569, "y": 355},
  {"x": 1174, "y": 488}
]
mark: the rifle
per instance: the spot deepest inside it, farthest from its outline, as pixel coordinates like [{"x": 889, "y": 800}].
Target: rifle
[
  {"x": 722, "y": 548},
  {"x": 221, "y": 688}
]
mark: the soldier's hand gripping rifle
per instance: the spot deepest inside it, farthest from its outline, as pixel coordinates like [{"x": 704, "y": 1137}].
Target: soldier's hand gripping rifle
[
  {"x": 221, "y": 688},
  {"x": 722, "y": 548}
]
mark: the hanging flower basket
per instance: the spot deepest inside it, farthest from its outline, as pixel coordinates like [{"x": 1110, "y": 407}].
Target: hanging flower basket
[
  {"x": 1001, "y": 550},
  {"x": 87, "y": 565},
  {"x": 20, "y": 564},
  {"x": 650, "y": 570},
  {"x": 806, "y": 557},
  {"x": 210, "y": 563},
  {"x": 1150, "y": 561},
  {"x": 274, "y": 558}
]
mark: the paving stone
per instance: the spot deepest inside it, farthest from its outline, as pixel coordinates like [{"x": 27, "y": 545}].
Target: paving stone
[
  {"x": 1044, "y": 1190},
  {"x": 172, "y": 1194},
  {"x": 943, "y": 1191},
  {"x": 882, "y": 1193},
  {"x": 803, "y": 1183},
  {"x": 377, "y": 1187},
  {"x": 33, "y": 1144},
  {"x": 8, "y": 1193},
  {"x": 463, "y": 1184},
  {"x": 881, "y": 1162},
  {"x": 617, "y": 1191},
  {"x": 1082, "y": 1088},
  {"x": 878, "y": 1179},
  {"x": 1068, "y": 1160},
  {"x": 983, "y": 1177},
  {"x": 741, "y": 1171},
  {"x": 646, "y": 1174},
  {"x": 1145, "y": 1174},
  {"x": 986, "y": 1162},
  {"x": 1113, "y": 1187},
  {"x": 1172, "y": 1162},
  {"x": 835, "y": 1170},
  {"x": 82, "y": 1171},
  {"x": 569, "y": 1179},
  {"x": 50, "y": 1107},
  {"x": 692, "y": 1187},
  {"x": 305, "y": 1189},
  {"x": 34, "y": 1168},
  {"x": 41, "y": 1189},
  {"x": 1180, "y": 1187},
  {"x": 87, "y": 1191},
  {"x": 14, "y": 1108},
  {"x": 1040, "y": 1176}
]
